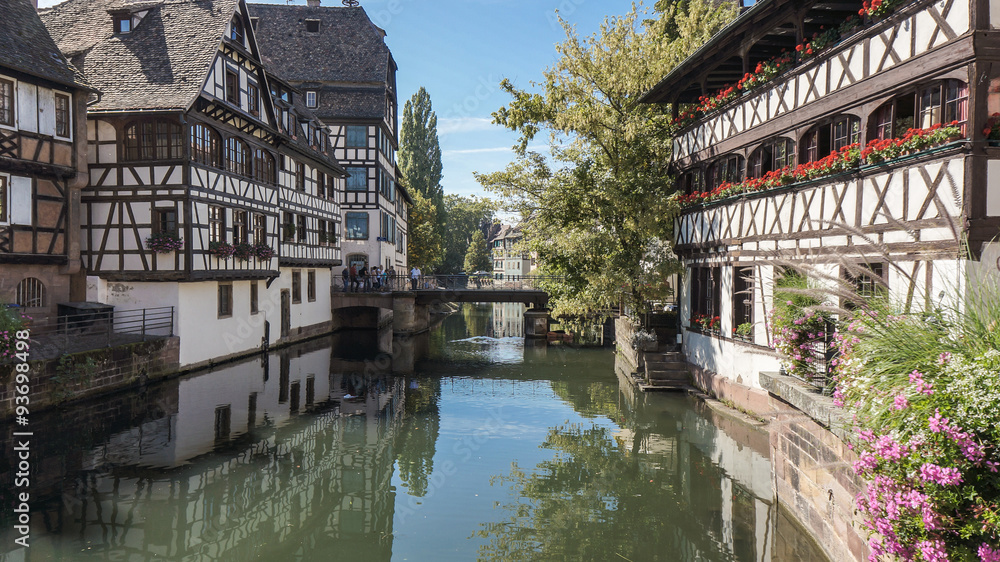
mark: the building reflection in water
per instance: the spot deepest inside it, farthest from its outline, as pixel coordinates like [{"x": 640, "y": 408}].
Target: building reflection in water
[{"x": 508, "y": 320}]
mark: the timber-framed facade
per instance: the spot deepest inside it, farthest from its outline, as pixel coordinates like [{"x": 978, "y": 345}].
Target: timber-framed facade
[
  {"x": 42, "y": 163},
  {"x": 197, "y": 170},
  {"x": 904, "y": 220},
  {"x": 338, "y": 61}
]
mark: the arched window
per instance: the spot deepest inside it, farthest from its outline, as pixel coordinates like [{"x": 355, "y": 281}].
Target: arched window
[
  {"x": 691, "y": 181},
  {"x": 773, "y": 155},
  {"x": 263, "y": 166},
  {"x": 153, "y": 140},
  {"x": 238, "y": 160},
  {"x": 30, "y": 293},
  {"x": 729, "y": 168},
  {"x": 940, "y": 102},
  {"x": 205, "y": 147},
  {"x": 829, "y": 137}
]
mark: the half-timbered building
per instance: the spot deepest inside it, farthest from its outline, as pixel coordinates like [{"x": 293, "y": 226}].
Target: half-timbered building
[
  {"x": 338, "y": 60},
  {"x": 188, "y": 168},
  {"x": 807, "y": 160},
  {"x": 42, "y": 164}
]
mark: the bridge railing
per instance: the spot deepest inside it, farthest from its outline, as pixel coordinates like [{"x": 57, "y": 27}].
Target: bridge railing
[{"x": 455, "y": 283}]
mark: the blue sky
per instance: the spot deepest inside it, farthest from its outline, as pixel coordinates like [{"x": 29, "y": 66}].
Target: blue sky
[{"x": 460, "y": 50}]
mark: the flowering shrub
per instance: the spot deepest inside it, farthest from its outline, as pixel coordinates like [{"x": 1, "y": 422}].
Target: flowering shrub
[
  {"x": 926, "y": 400},
  {"x": 243, "y": 251},
  {"x": 11, "y": 320},
  {"x": 799, "y": 330},
  {"x": 263, "y": 252},
  {"x": 221, "y": 250},
  {"x": 164, "y": 242},
  {"x": 992, "y": 129}
]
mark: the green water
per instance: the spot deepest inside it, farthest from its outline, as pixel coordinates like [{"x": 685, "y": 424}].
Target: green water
[{"x": 492, "y": 449}]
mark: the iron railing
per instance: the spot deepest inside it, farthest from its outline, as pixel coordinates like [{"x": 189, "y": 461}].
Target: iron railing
[
  {"x": 452, "y": 282},
  {"x": 94, "y": 329}
]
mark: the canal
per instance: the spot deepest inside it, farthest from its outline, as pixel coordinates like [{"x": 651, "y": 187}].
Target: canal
[{"x": 493, "y": 449}]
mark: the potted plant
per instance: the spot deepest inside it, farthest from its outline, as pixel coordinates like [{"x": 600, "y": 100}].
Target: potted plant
[
  {"x": 289, "y": 231},
  {"x": 644, "y": 341},
  {"x": 263, "y": 252},
  {"x": 243, "y": 251},
  {"x": 744, "y": 332},
  {"x": 164, "y": 242},
  {"x": 221, "y": 249}
]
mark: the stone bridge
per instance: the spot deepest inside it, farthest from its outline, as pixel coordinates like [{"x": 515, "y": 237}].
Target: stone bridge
[{"x": 408, "y": 312}]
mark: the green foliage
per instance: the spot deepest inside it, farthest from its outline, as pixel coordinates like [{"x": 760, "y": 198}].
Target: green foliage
[
  {"x": 10, "y": 322},
  {"x": 73, "y": 374},
  {"x": 599, "y": 213},
  {"x": 477, "y": 258},
  {"x": 424, "y": 245},
  {"x": 420, "y": 154},
  {"x": 465, "y": 216},
  {"x": 799, "y": 328}
]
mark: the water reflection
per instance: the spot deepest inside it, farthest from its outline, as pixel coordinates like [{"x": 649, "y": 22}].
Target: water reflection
[{"x": 495, "y": 450}]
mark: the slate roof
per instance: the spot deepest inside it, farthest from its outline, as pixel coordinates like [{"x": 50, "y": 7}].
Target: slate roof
[
  {"x": 162, "y": 64},
  {"x": 26, "y": 46},
  {"x": 348, "y": 56}
]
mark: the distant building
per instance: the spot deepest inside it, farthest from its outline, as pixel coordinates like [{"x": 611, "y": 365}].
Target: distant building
[
  {"x": 337, "y": 58},
  {"x": 508, "y": 258},
  {"x": 193, "y": 141},
  {"x": 43, "y": 137}
]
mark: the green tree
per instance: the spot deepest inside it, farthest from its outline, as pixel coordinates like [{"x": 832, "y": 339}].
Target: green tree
[
  {"x": 600, "y": 213},
  {"x": 424, "y": 245},
  {"x": 420, "y": 152},
  {"x": 477, "y": 258},
  {"x": 465, "y": 216}
]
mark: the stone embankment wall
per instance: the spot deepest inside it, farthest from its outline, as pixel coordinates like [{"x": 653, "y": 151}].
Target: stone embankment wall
[
  {"x": 90, "y": 373},
  {"x": 624, "y": 329}
]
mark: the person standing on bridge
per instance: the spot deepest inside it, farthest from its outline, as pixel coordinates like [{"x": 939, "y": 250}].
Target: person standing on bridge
[
  {"x": 347, "y": 279},
  {"x": 354, "y": 278},
  {"x": 414, "y": 277}
]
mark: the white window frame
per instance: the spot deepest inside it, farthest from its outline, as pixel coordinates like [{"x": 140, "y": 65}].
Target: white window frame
[
  {"x": 312, "y": 99},
  {"x": 13, "y": 107},
  {"x": 69, "y": 116}
]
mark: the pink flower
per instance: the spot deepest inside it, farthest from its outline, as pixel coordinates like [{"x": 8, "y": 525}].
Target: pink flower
[
  {"x": 937, "y": 423},
  {"x": 900, "y": 402},
  {"x": 946, "y": 476},
  {"x": 944, "y": 358},
  {"x": 988, "y": 553},
  {"x": 933, "y": 551}
]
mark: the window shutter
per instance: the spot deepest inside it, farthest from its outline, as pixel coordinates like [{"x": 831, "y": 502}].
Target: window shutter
[{"x": 20, "y": 200}]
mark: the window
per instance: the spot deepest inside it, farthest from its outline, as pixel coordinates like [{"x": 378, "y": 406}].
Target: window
[
  {"x": 232, "y": 87},
  {"x": 225, "y": 300},
  {"x": 321, "y": 229},
  {"x": 726, "y": 169},
  {"x": 743, "y": 295},
  {"x": 240, "y": 227},
  {"x": 238, "y": 157},
  {"x": 6, "y": 102},
  {"x": 705, "y": 285},
  {"x": 300, "y": 176},
  {"x": 263, "y": 166},
  {"x": 870, "y": 282},
  {"x": 829, "y": 137},
  {"x": 165, "y": 221},
  {"x": 296, "y": 287},
  {"x": 123, "y": 23},
  {"x": 771, "y": 156},
  {"x": 288, "y": 230},
  {"x": 331, "y": 233},
  {"x": 254, "y": 297},
  {"x": 311, "y": 285},
  {"x": 205, "y": 145},
  {"x": 259, "y": 229},
  {"x": 292, "y": 126},
  {"x": 300, "y": 229},
  {"x": 692, "y": 181},
  {"x": 236, "y": 30},
  {"x": 356, "y": 226},
  {"x": 938, "y": 103},
  {"x": 30, "y": 293},
  {"x": 358, "y": 179},
  {"x": 4, "y": 197},
  {"x": 153, "y": 140},
  {"x": 62, "y": 116},
  {"x": 216, "y": 224},
  {"x": 956, "y": 104},
  {"x": 320, "y": 184},
  {"x": 312, "y": 26},
  {"x": 311, "y": 96},
  {"x": 357, "y": 136},
  {"x": 253, "y": 99}
]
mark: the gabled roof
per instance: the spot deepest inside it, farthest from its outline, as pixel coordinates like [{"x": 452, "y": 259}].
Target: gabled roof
[
  {"x": 161, "y": 64},
  {"x": 347, "y": 60},
  {"x": 26, "y": 46}
]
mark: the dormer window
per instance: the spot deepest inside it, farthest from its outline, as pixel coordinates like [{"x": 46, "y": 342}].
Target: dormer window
[
  {"x": 312, "y": 26},
  {"x": 311, "y": 98},
  {"x": 254, "y": 22},
  {"x": 236, "y": 30},
  {"x": 123, "y": 23}
]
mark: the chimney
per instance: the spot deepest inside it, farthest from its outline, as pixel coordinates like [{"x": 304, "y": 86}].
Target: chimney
[{"x": 313, "y": 3}]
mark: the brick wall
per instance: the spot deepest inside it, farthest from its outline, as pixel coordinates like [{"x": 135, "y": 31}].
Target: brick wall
[{"x": 90, "y": 373}]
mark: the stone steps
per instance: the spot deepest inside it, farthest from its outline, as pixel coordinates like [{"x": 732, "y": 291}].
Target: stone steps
[{"x": 665, "y": 371}]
